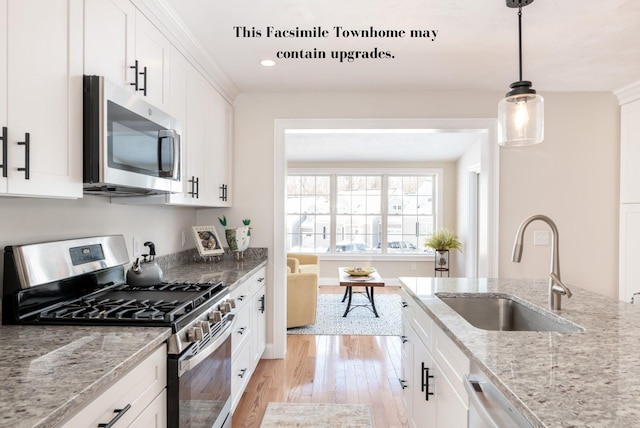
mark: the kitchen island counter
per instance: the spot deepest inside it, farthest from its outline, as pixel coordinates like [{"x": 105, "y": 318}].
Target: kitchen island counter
[{"x": 588, "y": 379}]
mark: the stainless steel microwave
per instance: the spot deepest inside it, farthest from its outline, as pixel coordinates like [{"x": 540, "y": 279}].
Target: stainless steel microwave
[{"x": 130, "y": 147}]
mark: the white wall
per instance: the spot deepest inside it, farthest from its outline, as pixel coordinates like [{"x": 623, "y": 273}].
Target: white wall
[
  {"x": 470, "y": 158},
  {"x": 572, "y": 176},
  {"x": 29, "y": 220}
]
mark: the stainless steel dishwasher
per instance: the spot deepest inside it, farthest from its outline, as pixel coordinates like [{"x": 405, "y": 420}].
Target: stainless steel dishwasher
[{"x": 488, "y": 407}]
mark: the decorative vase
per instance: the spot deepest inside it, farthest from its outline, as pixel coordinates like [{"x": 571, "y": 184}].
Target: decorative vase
[{"x": 238, "y": 238}]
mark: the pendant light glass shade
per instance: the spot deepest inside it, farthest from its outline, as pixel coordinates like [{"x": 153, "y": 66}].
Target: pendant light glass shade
[
  {"x": 521, "y": 120},
  {"x": 521, "y": 111}
]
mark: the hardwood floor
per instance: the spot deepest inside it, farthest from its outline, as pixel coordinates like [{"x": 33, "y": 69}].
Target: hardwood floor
[{"x": 330, "y": 369}]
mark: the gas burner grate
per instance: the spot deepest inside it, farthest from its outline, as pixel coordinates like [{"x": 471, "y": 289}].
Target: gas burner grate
[
  {"x": 173, "y": 286},
  {"x": 117, "y": 310}
]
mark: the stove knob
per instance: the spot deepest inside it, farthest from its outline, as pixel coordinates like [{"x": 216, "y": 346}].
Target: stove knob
[
  {"x": 225, "y": 307},
  {"x": 205, "y": 326},
  {"x": 232, "y": 302},
  {"x": 194, "y": 334},
  {"x": 215, "y": 316}
]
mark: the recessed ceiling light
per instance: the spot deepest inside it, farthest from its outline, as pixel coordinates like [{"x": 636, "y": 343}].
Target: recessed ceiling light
[{"x": 268, "y": 62}]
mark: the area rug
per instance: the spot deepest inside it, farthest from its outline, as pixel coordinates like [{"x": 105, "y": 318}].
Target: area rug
[
  {"x": 360, "y": 321},
  {"x": 316, "y": 415}
]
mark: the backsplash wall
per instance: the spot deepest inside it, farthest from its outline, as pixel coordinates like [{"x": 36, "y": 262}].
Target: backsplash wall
[{"x": 29, "y": 220}]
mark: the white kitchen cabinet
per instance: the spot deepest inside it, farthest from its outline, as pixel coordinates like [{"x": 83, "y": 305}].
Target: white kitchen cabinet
[
  {"x": 629, "y": 273},
  {"x": 630, "y": 153},
  {"x": 122, "y": 45},
  {"x": 432, "y": 370},
  {"x": 41, "y": 89},
  {"x": 139, "y": 396},
  {"x": 629, "y": 227},
  {"x": 248, "y": 336}
]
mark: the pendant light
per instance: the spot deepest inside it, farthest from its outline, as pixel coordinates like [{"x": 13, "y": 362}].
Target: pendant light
[{"x": 521, "y": 112}]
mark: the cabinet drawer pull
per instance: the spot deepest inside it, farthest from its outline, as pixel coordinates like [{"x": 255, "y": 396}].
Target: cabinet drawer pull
[
  {"x": 241, "y": 330},
  {"x": 404, "y": 304},
  {"x": 242, "y": 373},
  {"x": 119, "y": 413},
  {"x": 135, "y": 75},
  {"x": 261, "y": 308},
  {"x": 425, "y": 382},
  {"x": 144, "y": 82},
  {"x": 403, "y": 383},
  {"x": 4, "y": 151},
  {"x": 404, "y": 339},
  {"x": 26, "y": 144}
]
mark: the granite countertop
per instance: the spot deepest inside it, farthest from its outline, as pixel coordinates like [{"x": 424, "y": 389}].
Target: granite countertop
[
  {"x": 50, "y": 372},
  {"x": 589, "y": 379}
]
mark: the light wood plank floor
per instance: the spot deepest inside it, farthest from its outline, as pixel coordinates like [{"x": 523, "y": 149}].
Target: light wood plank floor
[{"x": 330, "y": 369}]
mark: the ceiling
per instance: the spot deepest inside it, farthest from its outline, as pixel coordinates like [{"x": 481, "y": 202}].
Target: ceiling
[
  {"x": 377, "y": 145},
  {"x": 568, "y": 45}
]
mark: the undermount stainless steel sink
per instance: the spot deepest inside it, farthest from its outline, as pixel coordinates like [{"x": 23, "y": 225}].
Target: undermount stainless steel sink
[{"x": 504, "y": 313}]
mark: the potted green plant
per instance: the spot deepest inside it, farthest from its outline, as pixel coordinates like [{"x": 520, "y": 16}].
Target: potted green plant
[{"x": 442, "y": 241}]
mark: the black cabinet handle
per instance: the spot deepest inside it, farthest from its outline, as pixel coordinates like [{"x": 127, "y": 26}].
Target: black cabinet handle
[
  {"x": 241, "y": 330},
  {"x": 242, "y": 372},
  {"x": 404, "y": 339},
  {"x": 425, "y": 382},
  {"x": 403, "y": 383},
  {"x": 223, "y": 192},
  {"x": 195, "y": 187},
  {"x": 144, "y": 80},
  {"x": 25, "y": 143},
  {"x": 135, "y": 80},
  {"x": 404, "y": 304},
  {"x": 261, "y": 309},
  {"x": 119, "y": 413},
  {"x": 4, "y": 151}
]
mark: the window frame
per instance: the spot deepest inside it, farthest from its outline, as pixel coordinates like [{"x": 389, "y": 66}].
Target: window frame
[{"x": 436, "y": 172}]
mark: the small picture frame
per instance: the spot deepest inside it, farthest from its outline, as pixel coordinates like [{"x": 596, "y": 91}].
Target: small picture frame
[{"x": 207, "y": 241}]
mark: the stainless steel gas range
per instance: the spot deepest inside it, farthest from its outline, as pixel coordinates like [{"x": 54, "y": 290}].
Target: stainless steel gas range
[{"x": 82, "y": 282}]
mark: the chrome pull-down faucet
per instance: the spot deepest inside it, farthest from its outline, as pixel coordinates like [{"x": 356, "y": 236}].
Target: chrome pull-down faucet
[{"x": 556, "y": 287}]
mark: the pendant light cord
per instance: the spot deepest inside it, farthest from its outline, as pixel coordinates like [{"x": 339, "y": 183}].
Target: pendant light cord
[{"x": 520, "y": 37}]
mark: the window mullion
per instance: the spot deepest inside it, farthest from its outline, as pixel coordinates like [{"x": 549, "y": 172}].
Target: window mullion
[
  {"x": 333, "y": 195},
  {"x": 384, "y": 210}
]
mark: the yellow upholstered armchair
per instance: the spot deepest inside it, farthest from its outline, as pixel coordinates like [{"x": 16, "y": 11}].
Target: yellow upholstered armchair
[
  {"x": 302, "y": 289},
  {"x": 303, "y": 263}
]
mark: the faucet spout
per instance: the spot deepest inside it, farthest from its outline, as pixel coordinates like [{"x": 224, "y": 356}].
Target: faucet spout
[{"x": 556, "y": 286}]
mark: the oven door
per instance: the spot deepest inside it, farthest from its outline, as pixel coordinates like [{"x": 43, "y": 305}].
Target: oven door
[{"x": 199, "y": 385}]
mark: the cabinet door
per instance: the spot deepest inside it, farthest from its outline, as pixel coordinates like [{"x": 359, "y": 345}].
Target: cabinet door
[
  {"x": 406, "y": 367},
  {"x": 152, "y": 52},
  {"x": 110, "y": 40},
  {"x": 630, "y": 152},
  {"x": 259, "y": 324},
  {"x": 629, "y": 251},
  {"x": 220, "y": 137},
  {"x": 44, "y": 97},
  {"x": 424, "y": 386},
  {"x": 3, "y": 91}
]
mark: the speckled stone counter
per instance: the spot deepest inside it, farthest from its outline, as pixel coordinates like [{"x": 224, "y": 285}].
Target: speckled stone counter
[
  {"x": 48, "y": 373},
  {"x": 589, "y": 379}
]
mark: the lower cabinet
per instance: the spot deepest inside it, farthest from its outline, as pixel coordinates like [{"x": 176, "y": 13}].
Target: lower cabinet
[
  {"x": 249, "y": 332},
  {"x": 138, "y": 399},
  {"x": 432, "y": 370}
]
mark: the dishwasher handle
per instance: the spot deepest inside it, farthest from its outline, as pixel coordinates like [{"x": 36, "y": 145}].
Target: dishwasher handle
[{"x": 492, "y": 408}]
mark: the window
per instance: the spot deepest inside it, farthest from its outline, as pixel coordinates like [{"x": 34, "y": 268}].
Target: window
[{"x": 372, "y": 213}]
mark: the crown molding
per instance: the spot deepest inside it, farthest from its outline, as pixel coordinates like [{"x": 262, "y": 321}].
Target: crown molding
[
  {"x": 165, "y": 18},
  {"x": 628, "y": 93}
]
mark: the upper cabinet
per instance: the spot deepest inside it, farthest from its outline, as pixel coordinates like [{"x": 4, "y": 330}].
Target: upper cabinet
[
  {"x": 630, "y": 152},
  {"x": 41, "y": 89},
  {"x": 207, "y": 120},
  {"x": 122, "y": 45},
  {"x": 629, "y": 245}
]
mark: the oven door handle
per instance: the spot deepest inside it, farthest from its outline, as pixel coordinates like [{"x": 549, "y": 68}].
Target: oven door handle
[{"x": 188, "y": 364}]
